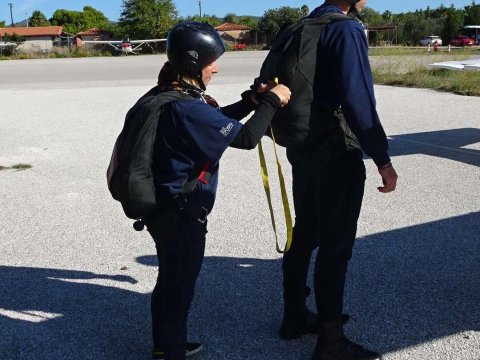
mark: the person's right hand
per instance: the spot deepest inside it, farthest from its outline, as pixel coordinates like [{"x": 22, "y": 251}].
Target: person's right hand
[{"x": 283, "y": 93}]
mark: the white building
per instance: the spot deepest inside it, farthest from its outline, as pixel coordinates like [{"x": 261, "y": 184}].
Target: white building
[{"x": 37, "y": 39}]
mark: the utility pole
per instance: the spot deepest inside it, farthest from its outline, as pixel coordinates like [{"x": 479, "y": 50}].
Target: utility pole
[
  {"x": 200, "y": 7},
  {"x": 26, "y": 14},
  {"x": 11, "y": 16}
]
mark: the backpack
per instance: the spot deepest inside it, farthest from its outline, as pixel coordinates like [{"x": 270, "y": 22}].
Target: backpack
[
  {"x": 292, "y": 60},
  {"x": 129, "y": 174}
]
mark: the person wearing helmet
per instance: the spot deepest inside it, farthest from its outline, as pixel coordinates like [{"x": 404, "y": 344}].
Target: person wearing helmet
[
  {"x": 192, "y": 134},
  {"x": 328, "y": 177}
]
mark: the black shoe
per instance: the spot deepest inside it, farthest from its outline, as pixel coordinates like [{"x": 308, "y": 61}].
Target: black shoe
[
  {"x": 295, "y": 325},
  {"x": 343, "y": 349},
  {"x": 191, "y": 349}
]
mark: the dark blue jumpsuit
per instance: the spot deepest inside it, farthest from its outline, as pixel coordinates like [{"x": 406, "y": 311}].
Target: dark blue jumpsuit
[
  {"x": 190, "y": 132},
  {"x": 329, "y": 175}
]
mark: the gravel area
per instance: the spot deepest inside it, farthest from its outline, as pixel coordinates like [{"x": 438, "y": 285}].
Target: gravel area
[{"x": 75, "y": 278}]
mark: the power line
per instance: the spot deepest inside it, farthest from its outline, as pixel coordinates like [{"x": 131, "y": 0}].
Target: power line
[{"x": 11, "y": 16}]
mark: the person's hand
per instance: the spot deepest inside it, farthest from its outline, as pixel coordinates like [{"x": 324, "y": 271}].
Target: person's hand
[
  {"x": 263, "y": 88},
  {"x": 283, "y": 93},
  {"x": 389, "y": 178},
  {"x": 258, "y": 90}
]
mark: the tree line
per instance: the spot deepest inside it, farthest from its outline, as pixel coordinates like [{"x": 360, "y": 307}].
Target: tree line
[
  {"x": 153, "y": 19},
  {"x": 412, "y": 26}
]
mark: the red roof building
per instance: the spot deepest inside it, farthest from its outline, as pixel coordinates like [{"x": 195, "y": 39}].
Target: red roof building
[
  {"x": 27, "y": 32},
  {"x": 235, "y": 34},
  {"x": 37, "y": 39},
  {"x": 94, "y": 33},
  {"x": 232, "y": 27}
]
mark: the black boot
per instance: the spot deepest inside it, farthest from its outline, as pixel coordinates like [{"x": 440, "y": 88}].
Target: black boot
[
  {"x": 297, "y": 319},
  {"x": 333, "y": 345},
  {"x": 297, "y": 323}
]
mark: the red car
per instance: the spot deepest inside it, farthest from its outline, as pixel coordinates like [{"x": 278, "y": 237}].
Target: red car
[
  {"x": 461, "y": 40},
  {"x": 239, "y": 46}
]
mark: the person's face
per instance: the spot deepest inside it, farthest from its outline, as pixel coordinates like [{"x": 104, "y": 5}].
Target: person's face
[
  {"x": 361, "y": 5},
  {"x": 208, "y": 71}
]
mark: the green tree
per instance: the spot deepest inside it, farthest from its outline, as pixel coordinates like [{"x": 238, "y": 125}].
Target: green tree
[
  {"x": 472, "y": 14},
  {"x": 439, "y": 12},
  {"x": 372, "y": 17},
  {"x": 272, "y": 20},
  {"x": 230, "y": 18},
  {"x": 72, "y": 21},
  {"x": 2, "y": 23},
  {"x": 248, "y": 21},
  {"x": 453, "y": 22},
  {"x": 76, "y": 21},
  {"x": 433, "y": 26},
  {"x": 210, "y": 19},
  {"x": 305, "y": 10},
  {"x": 92, "y": 18},
  {"x": 38, "y": 19},
  {"x": 413, "y": 28},
  {"x": 147, "y": 18},
  {"x": 14, "y": 38},
  {"x": 387, "y": 17}
]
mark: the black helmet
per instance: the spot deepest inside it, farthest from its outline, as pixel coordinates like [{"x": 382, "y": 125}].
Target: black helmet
[{"x": 193, "y": 45}]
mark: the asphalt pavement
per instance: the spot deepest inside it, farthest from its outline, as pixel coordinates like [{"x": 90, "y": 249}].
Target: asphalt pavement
[{"x": 75, "y": 278}]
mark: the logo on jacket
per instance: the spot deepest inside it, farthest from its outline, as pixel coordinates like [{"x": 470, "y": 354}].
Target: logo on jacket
[{"x": 225, "y": 130}]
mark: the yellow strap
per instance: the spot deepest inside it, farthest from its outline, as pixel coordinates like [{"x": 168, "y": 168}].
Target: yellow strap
[{"x": 286, "y": 206}]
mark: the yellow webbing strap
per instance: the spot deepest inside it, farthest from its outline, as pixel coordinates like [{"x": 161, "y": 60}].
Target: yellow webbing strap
[{"x": 286, "y": 206}]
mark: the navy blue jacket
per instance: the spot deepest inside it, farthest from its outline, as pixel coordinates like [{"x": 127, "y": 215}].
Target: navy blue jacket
[
  {"x": 344, "y": 78},
  {"x": 191, "y": 133}
]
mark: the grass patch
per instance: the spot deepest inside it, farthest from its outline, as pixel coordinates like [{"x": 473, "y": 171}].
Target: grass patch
[
  {"x": 406, "y": 51},
  {"x": 17, "y": 167},
  {"x": 57, "y": 53},
  {"x": 458, "y": 82},
  {"x": 21, "y": 166},
  {"x": 412, "y": 70}
]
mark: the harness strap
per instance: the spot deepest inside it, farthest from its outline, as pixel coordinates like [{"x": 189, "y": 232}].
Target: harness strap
[
  {"x": 205, "y": 176},
  {"x": 201, "y": 173},
  {"x": 286, "y": 206}
]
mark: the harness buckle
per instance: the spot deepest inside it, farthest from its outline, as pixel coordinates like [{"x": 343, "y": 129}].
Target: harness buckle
[
  {"x": 203, "y": 215},
  {"x": 179, "y": 201}
]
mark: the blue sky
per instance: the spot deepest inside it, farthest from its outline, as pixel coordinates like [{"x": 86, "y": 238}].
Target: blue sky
[{"x": 111, "y": 8}]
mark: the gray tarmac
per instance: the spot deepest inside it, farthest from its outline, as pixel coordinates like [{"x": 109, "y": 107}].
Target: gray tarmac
[{"x": 75, "y": 278}]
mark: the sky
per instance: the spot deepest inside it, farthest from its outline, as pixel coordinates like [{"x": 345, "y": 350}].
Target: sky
[{"x": 111, "y": 8}]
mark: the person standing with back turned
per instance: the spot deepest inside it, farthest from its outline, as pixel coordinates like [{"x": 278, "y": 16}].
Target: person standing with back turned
[
  {"x": 328, "y": 184},
  {"x": 192, "y": 134}
]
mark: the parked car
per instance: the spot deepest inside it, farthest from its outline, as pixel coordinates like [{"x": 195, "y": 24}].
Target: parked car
[
  {"x": 431, "y": 40},
  {"x": 461, "y": 40},
  {"x": 239, "y": 46}
]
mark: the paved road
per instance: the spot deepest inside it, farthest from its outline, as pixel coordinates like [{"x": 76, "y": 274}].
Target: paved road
[{"x": 75, "y": 278}]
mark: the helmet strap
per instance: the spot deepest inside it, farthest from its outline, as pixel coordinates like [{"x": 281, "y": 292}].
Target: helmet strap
[
  {"x": 191, "y": 88},
  {"x": 201, "y": 83}
]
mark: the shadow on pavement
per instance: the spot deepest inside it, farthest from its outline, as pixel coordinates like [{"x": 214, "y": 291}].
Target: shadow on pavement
[
  {"x": 406, "y": 287},
  {"x": 448, "y": 144},
  {"x": 417, "y": 284},
  {"x": 76, "y": 320}
]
